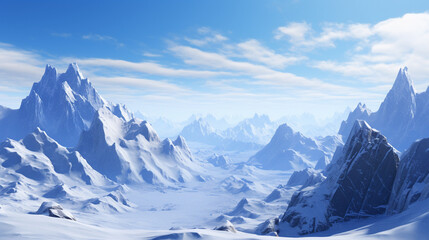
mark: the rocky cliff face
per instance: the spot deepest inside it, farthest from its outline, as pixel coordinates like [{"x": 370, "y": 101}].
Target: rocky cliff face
[
  {"x": 412, "y": 179},
  {"x": 358, "y": 184}
]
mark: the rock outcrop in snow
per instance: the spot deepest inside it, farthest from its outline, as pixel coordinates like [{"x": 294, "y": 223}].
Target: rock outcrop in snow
[
  {"x": 61, "y": 104},
  {"x": 358, "y": 184},
  {"x": 228, "y": 226},
  {"x": 412, "y": 179},
  {"x": 53, "y": 209}
]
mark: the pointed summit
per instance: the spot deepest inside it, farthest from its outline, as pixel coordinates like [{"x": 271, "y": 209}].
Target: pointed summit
[
  {"x": 61, "y": 104},
  {"x": 73, "y": 68},
  {"x": 403, "y": 82}
]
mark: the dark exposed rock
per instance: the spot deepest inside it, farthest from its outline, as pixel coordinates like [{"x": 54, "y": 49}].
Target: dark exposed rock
[
  {"x": 412, "y": 179},
  {"x": 359, "y": 182}
]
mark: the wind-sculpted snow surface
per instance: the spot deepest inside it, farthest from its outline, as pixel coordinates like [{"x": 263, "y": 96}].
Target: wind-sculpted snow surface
[
  {"x": 402, "y": 117},
  {"x": 131, "y": 151},
  {"x": 61, "y": 104},
  {"x": 358, "y": 184},
  {"x": 412, "y": 180},
  {"x": 289, "y": 150}
]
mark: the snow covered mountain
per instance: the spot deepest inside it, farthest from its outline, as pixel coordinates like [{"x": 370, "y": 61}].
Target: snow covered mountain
[
  {"x": 115, "y": 144},
  {"x": 61, "y": 104},
  {"x": 289, "y": 150},
  {"x": 41, "y": 158},
  {"x": 37, "y": 169},
  {"x": 258, "y": 129},
  {"x": 311, "y": 126},
  {"x": 402, "y": 116},
  {"x": 201, "y": 131},
  {"x": 131, "y": 151},
  {"x": 358, "y": 184}
]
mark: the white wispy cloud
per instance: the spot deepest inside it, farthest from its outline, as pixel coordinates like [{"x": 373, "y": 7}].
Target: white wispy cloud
[
  {"x": 144, "y": 67},
  {"x": 303, "y": 36},
  {"x": 393, "y": 43},
  {"x": 19, "y": 67},
  {"x": 207, "y": 36},
  {"x": 143, "y": 83},
  {"x": 149, "y": 54},
  {"x": 98, "y": 37},
  {"x": 253, "y": 50}
]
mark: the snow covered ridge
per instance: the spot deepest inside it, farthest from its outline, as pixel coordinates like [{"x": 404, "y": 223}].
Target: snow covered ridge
[
  {"x": 201, "y": 131},
  {"x": 290, "y": 150},
  {"x": 37, "y": 168},
  {"x": 358, "y": 183},
  {"x": 131, "y": 152},
  {"x": 61, "y": 104},
  {"x": 248, "y": 134},
  {"x": 402, "y": 117},
  {"x": 104, "y": 135}
]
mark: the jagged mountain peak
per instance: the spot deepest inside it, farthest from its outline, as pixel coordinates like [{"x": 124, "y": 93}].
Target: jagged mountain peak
[
  {"x": 403, "y": 81},
  {"x": 360, "y": 125},
  {"x": 261, "y": 117},
  {"x": 63, "y": 105}
]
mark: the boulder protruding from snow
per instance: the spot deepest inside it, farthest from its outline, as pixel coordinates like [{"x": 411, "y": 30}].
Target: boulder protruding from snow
[
  {"x": 228, "y": 227},
  {"x": 53, "y": 209}
]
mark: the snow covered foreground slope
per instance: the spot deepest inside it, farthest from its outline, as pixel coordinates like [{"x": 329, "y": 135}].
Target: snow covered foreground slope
[
  {"x": 402, "y": 116},
  {"x": 410, "y": 225},
  {"x": 61, "y": 104}
]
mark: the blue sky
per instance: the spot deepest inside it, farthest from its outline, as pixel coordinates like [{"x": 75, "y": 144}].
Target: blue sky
[{"x": 229, "y": 58}]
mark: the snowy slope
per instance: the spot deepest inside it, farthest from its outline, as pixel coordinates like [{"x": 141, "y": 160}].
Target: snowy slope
[
  {"x": 37, "y": 169},
  {"x": 131, "y": 151},
  {"x": 61, "y": 104},
  {"x": 41, "y": 158},
  {"x": 289, "y": 150}
]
